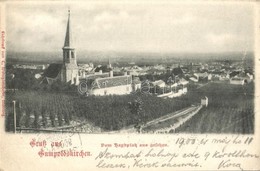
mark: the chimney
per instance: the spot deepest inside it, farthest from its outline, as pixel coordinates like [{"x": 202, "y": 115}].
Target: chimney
[
  {"x": 125, "y": 73},
  {"x": 100, "y": 71}
]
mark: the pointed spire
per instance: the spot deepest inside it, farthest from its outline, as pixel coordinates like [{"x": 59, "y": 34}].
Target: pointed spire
[{"x": 68, "y": 37}]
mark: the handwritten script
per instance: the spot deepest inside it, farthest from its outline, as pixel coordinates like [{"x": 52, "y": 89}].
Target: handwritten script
[{"x": 189, "y": 153}]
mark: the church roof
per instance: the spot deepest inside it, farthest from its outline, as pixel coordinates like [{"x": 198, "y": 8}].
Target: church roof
[
  {"x": 68, "y": 37},
  {"x": 53, "y": 70}
]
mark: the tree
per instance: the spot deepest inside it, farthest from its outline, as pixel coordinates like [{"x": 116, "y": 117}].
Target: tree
[
  {"x": 66, "y": 117},
  {"x": 36, "y": 119},
  {"x": 60, "y": 118},
  {"x": 52, "y": 116},
  {"x": 27, "y": 117},
  {"x": 136, "y": 108},
  {"x": 44, "y": 119}
]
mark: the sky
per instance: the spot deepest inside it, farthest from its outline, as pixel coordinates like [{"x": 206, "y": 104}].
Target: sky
[{"x": 132, "y": 27}]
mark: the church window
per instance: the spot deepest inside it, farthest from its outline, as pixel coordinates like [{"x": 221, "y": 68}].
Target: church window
[
  {"x": 72, "y": 54},
  {"x": 68, "y": 55}
]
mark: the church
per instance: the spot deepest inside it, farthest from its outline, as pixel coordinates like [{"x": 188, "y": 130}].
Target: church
[
  {"x": 103, "y": 83},
  {"x": 68, "y": 71},
  {"x": 70, "y": 68}
]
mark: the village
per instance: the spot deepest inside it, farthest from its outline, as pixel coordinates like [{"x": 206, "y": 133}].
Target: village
[
  {"x": 125, "y": 97},
  {"x": 164, "y": 80}
]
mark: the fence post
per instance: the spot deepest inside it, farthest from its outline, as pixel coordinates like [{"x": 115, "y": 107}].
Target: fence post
[{"x": 14, "y": 117}]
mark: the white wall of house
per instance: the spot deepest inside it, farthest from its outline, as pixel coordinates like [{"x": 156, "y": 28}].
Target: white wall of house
[
  {"x": 209, "y": 76},
  {"x": 159, "y": 83},
  {"x": 204, "y": 101},
  {"x": 237, "y": 82},
  {"x": 250, "y": 76},
  {"x": 137, "y": 86},
  {"x": 116, "y": 90},
  {"x": 184, "y": 90},
  {"x": 194, "y": 79}
]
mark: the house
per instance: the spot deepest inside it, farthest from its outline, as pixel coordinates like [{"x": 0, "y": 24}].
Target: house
[
  {"x": 194, "y": 67},
  {"x": 205, "y": 101},
  {"x": 86, "y": 67},
  {"x": 250, "y": 76},
  {"x": 134, "y": 70},
  {"x": 159, "y": 83},
  {"x": 182, "y": 81},
  {"x": 203, "y": 76},
  {"x": 102, "y": 68},
  {"x": 241, "y": 78},
  {"x": 178, "y": 72},
  {"x": 224, "y": 76},
  {"x": 246, "y": 76},
  {"x": 118, "y": 85},
  {"x": 237, "y": 81},
  {"x": 233, "y": 74},
  {"x": 136, "y": 83},
  {"x": 154, "y": 71},
  {"x": 193, "y": 79},
  {"x": 174, "y": 87}
]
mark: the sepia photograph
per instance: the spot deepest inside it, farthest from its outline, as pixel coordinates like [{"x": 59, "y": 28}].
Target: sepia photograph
[{"x": 139, "y": 68}]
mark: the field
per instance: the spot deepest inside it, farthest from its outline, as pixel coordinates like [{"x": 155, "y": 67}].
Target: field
[{"x": 230, "y": 109}]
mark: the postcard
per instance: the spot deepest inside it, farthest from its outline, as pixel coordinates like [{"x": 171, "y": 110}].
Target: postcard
[{"x": 129, "y": 85}]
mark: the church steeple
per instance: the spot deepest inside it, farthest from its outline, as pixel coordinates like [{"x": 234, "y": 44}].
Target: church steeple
[
  {"x": 68, "y": 37},
  {"x": 70, "y": 67},
  {"x": 69, "y": 54}
]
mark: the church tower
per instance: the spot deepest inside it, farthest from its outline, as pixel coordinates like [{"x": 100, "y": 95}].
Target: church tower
[{"x": 70, "y": 68}]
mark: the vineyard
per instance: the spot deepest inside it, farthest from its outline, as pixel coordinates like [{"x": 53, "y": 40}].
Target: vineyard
[
  {"x": 38, "y": 109},
  {"x": 230, "y": 110}
]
